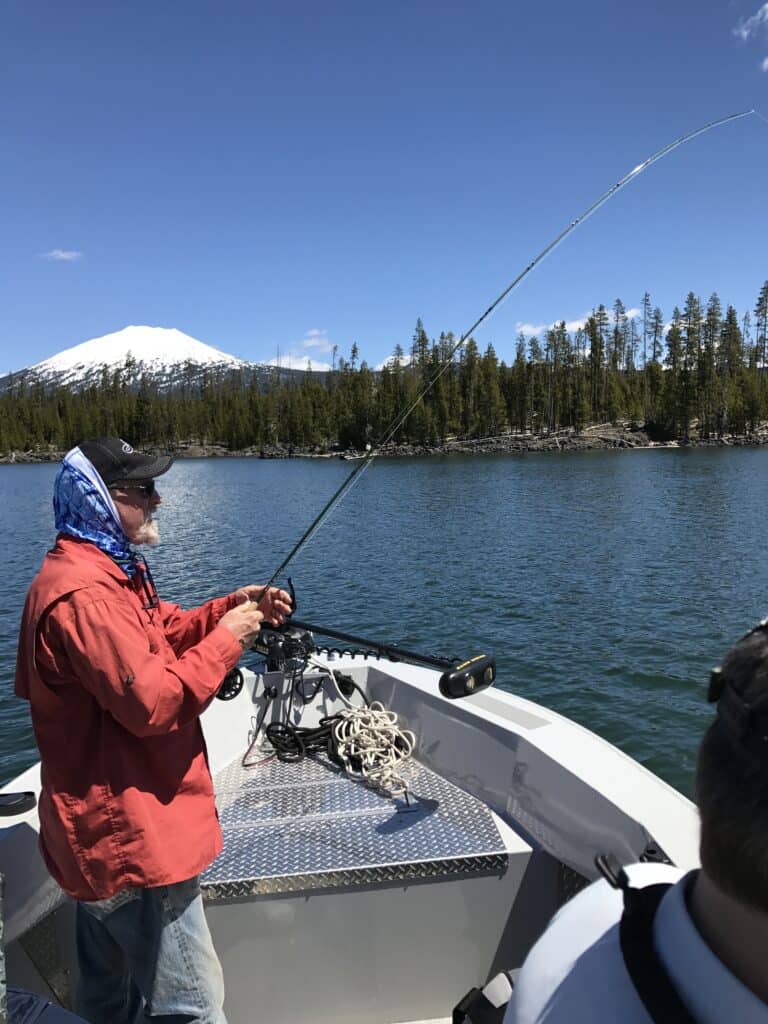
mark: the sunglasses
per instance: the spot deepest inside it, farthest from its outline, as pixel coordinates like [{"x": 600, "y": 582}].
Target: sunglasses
[
  {"x": 716, "y": 681},
  {"x": 148, "y": 490}
]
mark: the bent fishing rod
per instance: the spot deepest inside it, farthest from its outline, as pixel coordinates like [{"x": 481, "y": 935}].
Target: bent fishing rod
[
  {"x": 373, "y": 451},
  {"x": 471, "y": 675}
]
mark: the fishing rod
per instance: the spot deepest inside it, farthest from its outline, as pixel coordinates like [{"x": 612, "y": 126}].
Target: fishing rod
[{"x": 373, "y": 451}]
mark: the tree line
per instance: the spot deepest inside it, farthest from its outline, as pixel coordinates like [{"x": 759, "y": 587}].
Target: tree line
[{"x": 703, "y": 370}]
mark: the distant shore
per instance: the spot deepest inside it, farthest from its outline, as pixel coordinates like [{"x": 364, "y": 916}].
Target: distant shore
[{"x": 601, "y": 437}]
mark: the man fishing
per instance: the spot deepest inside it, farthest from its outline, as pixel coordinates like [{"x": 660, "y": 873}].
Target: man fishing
[{"x": 117, "y": 680}]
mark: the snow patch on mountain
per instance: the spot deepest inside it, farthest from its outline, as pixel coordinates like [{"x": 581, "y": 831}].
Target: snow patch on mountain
[
  {"x": 154, "y": 348},
  {"x": 164, "y": 356}
]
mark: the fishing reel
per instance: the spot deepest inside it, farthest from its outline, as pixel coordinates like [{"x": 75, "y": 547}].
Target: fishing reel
[
  {"x": 279, "y": 645},
  {"x": 278, "y": 648}
]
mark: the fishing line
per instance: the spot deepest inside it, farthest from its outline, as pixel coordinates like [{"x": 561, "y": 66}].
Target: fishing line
[{"x": 372, "y": 452}]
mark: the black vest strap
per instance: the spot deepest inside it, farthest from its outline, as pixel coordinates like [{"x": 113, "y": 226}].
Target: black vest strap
[{"x": 648, "y": 973}]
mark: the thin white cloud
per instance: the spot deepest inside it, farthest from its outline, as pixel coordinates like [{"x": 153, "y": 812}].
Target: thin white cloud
[
  {"x": 317, "y": 339},
  {"x": 62, "y": 255},
  {"x": 749, "y": 26},
  {"x": 297, "y": 357},
  {"x": 570, "y": 325},
  {"x": 527, "y": 329},
  {"x": 405, "y": 360},
  {"x": 575, "y": 325},
  {"x": 298, "y": 362},
  {"x": 764, "y": 65}
]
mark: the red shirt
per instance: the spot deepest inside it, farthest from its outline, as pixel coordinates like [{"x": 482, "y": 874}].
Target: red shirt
[{"x": 116, "y": 690}]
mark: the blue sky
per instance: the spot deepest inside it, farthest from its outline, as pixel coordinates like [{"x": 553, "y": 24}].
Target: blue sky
[{"x": 291, "y": 176}]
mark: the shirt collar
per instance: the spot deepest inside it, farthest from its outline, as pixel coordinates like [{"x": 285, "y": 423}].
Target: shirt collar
[{"x": 710, "y": 991}]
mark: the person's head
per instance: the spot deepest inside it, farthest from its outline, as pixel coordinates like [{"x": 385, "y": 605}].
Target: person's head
[
  {"x": 130, "y": 478},
  {"x": 732, "y": 774}
]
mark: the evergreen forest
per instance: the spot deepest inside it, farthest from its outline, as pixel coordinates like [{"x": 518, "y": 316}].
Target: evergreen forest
[{"x": 702, "y": 373}]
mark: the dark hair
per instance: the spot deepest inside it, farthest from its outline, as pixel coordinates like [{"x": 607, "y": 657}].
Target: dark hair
[{"x": 732, "y": 777}]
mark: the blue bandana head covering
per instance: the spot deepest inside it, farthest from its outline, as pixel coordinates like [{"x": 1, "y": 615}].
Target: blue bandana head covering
[{"x": 84, "y": 508}]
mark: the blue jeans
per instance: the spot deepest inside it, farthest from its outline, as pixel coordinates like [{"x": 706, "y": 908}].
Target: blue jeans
[
  {"x": 146, "y": 954},
  {"x": 26, "y": 1008}
]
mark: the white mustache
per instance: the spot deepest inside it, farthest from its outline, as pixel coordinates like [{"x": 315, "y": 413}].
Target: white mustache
[{"x": 148, "y": 533}]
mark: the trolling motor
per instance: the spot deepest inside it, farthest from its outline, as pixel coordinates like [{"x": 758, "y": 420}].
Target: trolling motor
[
  {"x": 279, "y": 644},
  {"x": 293, "y": 641},
  {"x": 364, "y": 739}
]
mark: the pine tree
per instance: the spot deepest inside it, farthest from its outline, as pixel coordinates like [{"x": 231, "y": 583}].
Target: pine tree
[
  {"x": 492, "y": 414},
  {"x": 469, "y": 376},
  {"x": 596, "y": 378},
  {"x": 671, "y": 415}
]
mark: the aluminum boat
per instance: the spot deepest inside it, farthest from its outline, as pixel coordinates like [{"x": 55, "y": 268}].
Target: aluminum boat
[{"x": 332, "y": 902}]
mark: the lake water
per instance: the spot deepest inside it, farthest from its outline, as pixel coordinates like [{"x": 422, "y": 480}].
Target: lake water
[{"x": 606, "y": 583}]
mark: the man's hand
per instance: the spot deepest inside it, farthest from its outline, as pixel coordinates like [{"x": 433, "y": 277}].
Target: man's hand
[
  {"x": 274, "y": 604},
  {"x": 243, "y": 621}
]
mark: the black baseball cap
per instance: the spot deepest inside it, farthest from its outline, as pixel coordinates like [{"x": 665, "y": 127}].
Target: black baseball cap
[{"x": 115, "y": 460}]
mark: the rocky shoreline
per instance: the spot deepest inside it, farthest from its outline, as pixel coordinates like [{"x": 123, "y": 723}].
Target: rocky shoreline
[{"x": 602, "y": 437}]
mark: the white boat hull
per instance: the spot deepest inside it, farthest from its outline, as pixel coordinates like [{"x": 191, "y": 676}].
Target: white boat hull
[{"x": 347, "y": 924}]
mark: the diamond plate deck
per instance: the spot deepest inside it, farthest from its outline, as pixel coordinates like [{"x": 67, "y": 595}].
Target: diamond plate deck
[{"x": 295, "y": 827}]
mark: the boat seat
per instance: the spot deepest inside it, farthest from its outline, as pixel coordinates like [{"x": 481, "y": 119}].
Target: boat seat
[{"x": 295, "y": 827}]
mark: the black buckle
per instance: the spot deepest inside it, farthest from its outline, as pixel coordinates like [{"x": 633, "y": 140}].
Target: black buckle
[{"x": 612, "y": 871}]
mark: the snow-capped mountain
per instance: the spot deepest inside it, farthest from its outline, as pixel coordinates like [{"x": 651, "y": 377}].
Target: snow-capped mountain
[{"x": 166, "y": 355}]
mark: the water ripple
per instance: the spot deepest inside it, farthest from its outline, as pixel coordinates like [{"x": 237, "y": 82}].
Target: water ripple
[{"x": 607, "y": 584}]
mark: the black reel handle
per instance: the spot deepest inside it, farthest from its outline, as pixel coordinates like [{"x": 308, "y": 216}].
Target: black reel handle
[{"x": 231, "y": 685}]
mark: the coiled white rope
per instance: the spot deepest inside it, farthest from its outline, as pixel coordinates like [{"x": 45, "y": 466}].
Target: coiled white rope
[{"x": 373, "y": 748}]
